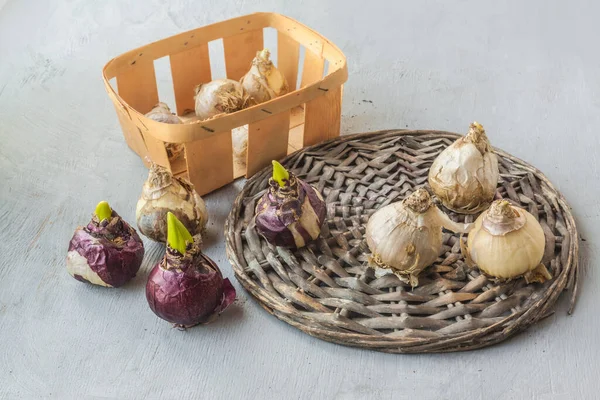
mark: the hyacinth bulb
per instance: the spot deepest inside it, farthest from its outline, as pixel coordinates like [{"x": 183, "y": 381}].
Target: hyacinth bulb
[
  {"x": 162, "y": 113},
  {"x": 163, "y": 193},
  {"x": 464, "y": 176},
  {"x": 107, "y": 252},
  {"x": 263, "y": 81},
  {"x": 186, "y": 287},
  {"x": 221, "y": 96},
  {"x": 507, "y": 242},
  {"x": 291, "y": 212},
  {"x": 406, "y": 237}
]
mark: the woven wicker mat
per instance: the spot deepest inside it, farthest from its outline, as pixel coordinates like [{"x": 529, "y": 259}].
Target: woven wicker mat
[{"x": 327, "y": 291}]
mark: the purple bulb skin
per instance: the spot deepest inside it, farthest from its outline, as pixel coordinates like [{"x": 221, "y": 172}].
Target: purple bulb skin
[
  {"x": 189, "y": 290},
  {"x": 107, "y": 253},
  {"x": 282, "y": 212}
]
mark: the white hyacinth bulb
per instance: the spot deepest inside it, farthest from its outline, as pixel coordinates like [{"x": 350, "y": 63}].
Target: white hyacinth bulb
[
  {"x": 264, "y": 82},
  {"x": 221, "y": 96},
  {"x": 406, "y": 236},
  {"x": 162, "y": 113},
  {"x": 464, "y": 176}
]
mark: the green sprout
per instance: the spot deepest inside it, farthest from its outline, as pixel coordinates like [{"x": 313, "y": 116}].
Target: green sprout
[
  {"x": 103, "y": 211},
  {"x": 280, "y": 174},
  {"x": 178, "y": 236}
]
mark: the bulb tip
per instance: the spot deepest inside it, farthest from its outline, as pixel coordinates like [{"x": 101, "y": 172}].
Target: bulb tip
[
  {"x": 163, "y": 106},
  {"x": 419, "y": 200},
  {"x": 264, "y": 54},
  {"x": 478, "y": 137},
  {"x": 280, "y": 174},
  {"x": 103, "y": 211},
  {"x": 159, "y": 176},
  {"x": 502, "y": 208},
  {"x": 476, "y": 130}
]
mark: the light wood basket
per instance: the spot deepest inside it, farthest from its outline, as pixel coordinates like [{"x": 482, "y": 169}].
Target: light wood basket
[{"x": 303, "y": 117}]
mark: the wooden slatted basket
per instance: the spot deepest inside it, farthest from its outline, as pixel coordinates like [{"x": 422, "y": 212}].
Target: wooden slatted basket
[{"x": 303, "y": 117}]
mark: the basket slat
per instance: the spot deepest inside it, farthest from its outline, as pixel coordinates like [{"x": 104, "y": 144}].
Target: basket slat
[
  {"x": 310, "y": 39},
  {"x": 322, "y": 117},
  {"x": 186, "y": 40},
  {"x": 210, "y": 162},
  {"x": 137, "y": 86},
  {"x": 288, "y": 53},
  {"x": 267, "y": 140},
  {"x": 156, "y": 150},
  {"x": 296, "y": 129},
  {"x": 188, "y": 69},
  {"x": 239, "y": 52},
  {"x": 312, "y": 70},
  {"x": 132, "y": 134}
]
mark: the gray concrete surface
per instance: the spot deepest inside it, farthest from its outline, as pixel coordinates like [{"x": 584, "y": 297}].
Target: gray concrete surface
[{"x": 528, "y": 70}]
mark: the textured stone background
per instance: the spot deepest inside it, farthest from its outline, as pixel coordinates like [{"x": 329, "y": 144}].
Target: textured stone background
[{"x": 528, "y": 70}]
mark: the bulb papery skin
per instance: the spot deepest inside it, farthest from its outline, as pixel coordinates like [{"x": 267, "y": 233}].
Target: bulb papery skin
[
  {"x": 290, "y": 216},
  {"x": 406, "y": 236},
  {"x": 264, "y": 82},
  {"x": 221, "y": 96},
  {"x": 162, "y": 113},
  {"x": 107, "y": 253},
  {"x": 240, "y": 144},
  {"x": 464, "y": 176},
  {"x": 188, "y": 290},
  {"x": 403, "y": 240},
  {"x": 163, "y": 193},
  {"x": 506, "y": 253}
]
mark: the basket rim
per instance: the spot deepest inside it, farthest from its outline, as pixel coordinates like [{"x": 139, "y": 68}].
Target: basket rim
[
  {"x": 184, "y": 133},
  {"x": 568, "y": 277}
]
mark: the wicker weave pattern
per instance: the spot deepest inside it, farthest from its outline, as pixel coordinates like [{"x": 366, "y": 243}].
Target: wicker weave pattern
[{"x": 327, "y": 291}]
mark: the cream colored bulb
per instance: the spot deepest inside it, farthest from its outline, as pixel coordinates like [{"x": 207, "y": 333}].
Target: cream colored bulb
[
  {"x": 263, "y": 81},
  {"x": 507, "y": 242}
]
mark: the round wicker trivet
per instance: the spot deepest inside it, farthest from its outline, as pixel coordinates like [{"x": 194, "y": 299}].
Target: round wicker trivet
[{"x": 326, "y": 289}]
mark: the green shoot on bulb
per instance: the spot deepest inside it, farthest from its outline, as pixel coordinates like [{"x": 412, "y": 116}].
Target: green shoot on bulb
[
  {"x": 280, "y": 174},
  {"x": 103, "y": 211},
  {"x": 178, "y": 236}
]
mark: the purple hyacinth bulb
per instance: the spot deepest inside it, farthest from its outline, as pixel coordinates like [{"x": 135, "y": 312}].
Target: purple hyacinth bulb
[
  {"x": 106, "y": 253},
  {"x": 290, "y": 215},
  {"x": 189, "y": 289}
]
